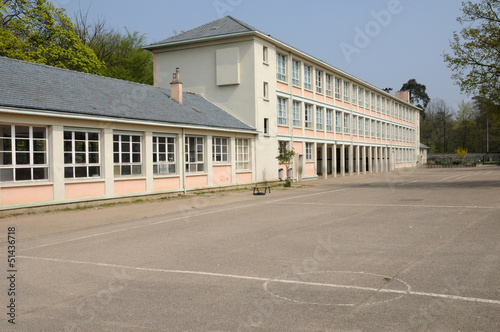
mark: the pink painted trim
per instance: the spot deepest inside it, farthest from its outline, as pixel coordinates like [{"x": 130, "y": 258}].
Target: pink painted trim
[{"x": 26, "y": 195}]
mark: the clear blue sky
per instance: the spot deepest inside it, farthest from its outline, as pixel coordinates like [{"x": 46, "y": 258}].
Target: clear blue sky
[{"x": 407, "y": 44}]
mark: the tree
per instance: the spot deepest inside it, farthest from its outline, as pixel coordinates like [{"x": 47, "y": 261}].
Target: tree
[
  {"x": 436, "y": 127},
  {"x": 285, "y": 157},
  {"x": 36, "y": 31},
  {"x": 123, "y": 55},
  {"x": 419, "y": 96},
  {"x": 465, "y": 124},
  {"x": 475, "y": 58}
]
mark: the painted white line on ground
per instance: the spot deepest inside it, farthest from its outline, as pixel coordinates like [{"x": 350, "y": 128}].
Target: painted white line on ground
[
  {"x": 170, "y": 220},
  {"x": 232, "y": 276},
  {"x": 451, "y": 177},
  {"x": 307, "y": 195},
  {"x": 395, "y": 205},
  {"x": 466, "y": 176},
  {"x": 405, "y": 183}
]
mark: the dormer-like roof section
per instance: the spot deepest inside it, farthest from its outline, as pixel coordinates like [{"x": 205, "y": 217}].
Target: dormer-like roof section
[{"x": 222, "y": 27}]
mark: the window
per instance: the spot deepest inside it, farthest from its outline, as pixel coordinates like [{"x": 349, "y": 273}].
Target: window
[
  {"x": 81, "y": 154},
  {"x": 346, "y": 91},
  {"x": 319, "y": 118},
  {"x": 127, "y": 154},
  {"x": 354, "y": 92},
  {"x": 307, "y": 77},
  {"x": 338, "y": 121},
  {"x": 308, "y": 115},
  {"x": 328, "y": 85},
  {"x": 242, "y": 154},
  {"x": 378, "y": 129},
  {"x": 220, "y": 149},
  {"x": 309, "y": 151},
  {"x": 346, "y": 123},
  {"x": 195, "y": 155},
  {"x": 319, "y": 82},
  {"x": 266, "y": 90},
  {"x": 295, "y": 73},
  {"x": 354, "y": 125},
  {"x": 265, "y": 54},
  {"x": 367, "y": 99},
  {"x": 281, "y": 67},
  {"x": 329, "y": 118},
  {"x": 164, "y": 154},
  {"x": 383, "y": 106},
  {"x": 373, "y": 128},
  {"x": 378, "y": 103},
  {"x": 383, "y": 130},
  {"x": 296, "y": 114},
  {"x": 367, "y": 127},
  {"x": 281, "y": 111},
  {"x": 360, "y": 97},
  {"x": 23, "y": 153},
  {"x": 337, "y": 88},
  {"x": 266, "y": 126},
  {"x": 360, "y": 126},
  {"x": 373, "y": 102}
]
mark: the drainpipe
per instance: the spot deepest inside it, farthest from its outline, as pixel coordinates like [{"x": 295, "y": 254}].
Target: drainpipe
[{"x": 183, "y": 158}]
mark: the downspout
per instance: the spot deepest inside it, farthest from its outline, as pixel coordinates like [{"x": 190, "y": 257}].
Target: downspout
[{"x": 183, "y": 150}]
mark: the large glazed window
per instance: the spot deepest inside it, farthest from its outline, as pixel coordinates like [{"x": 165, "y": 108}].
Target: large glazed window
[
  {"x": 127, "y": 154},
  {"x": 195, "y": 154},
  {"x": 23, "y": 153},
  {"x": 242, "y": 154},
  {"x": 164, "y": 160},
  {"x": 82, "y": 157}
]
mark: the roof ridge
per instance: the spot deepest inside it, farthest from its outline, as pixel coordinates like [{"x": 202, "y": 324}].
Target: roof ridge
[
  {"x": 73, "y": 71},
  {"x": 243, "y": 24}
]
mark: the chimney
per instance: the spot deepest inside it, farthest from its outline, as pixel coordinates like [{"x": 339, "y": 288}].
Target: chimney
[
  {"x": 404, "y": 95},
  {"x": 176, "y": 87}
]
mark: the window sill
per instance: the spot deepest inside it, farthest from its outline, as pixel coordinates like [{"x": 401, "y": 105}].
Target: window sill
[
  {"x": 265, "y": 63},
  {"x": 129, "y": 177},
  {"x": 26, "y": 184},
  {"x": 215, "y": 164},
  {"x": 83, "y": 180},
  {"x": 195, "y": 174},
  {"x": 165, "y": 176}
]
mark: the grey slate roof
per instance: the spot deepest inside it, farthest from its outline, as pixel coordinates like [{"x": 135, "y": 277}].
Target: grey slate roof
[
  {"x": 224, "y": 26},
  {"x": 43, "y": 88},
  {"x": 423, "y": 146}
]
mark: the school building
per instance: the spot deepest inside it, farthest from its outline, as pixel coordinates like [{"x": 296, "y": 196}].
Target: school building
[{"x": 218, "y": 121}]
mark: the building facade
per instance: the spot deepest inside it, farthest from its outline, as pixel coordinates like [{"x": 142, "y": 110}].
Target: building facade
[
  {"x": 69, "y": 137},
  {"x": 336, "y": 123}
]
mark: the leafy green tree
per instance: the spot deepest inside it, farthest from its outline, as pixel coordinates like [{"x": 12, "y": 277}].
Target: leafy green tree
[
  {"x": 475, "y": 57},
  {"x": 123, "y": 55},
  {"x": 285, "y": 157},
  {"x": 436, "y": 127},
  {"x": 465, "y": 124},
  {"x": 37, "y": 31},
  {"x": 418, "y": 94}
]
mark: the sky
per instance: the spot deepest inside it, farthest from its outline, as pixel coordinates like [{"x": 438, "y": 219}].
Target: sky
[{"x": 383, "y": 42}]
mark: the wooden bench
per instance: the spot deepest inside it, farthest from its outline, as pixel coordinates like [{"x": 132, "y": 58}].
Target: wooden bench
[{"x": 257, "y": 190}]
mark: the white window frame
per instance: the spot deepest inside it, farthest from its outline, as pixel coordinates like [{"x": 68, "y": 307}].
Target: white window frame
[
  {"x": 133, "y": 157},
  {"x": 346, "y": 123},
  {"x": 164, "y": 160},
  {"x": 281, "y": 67},
  {"x": 295, "y": 73},
  {"x": 354, "y": 93},
  {"x": 361, "y": 94},
  {"x": 220, "y": 150},
  {"x": 195, "y": 154},
  {"x": 329, "y": 118},
  {"x": 282, "y": 111},
  {"x": 307, "y": 77},
  {"x": 338, "y": 121},
  {"x": 308, "y": 115},
  {"x": 346, "y": 91},
  {"x": 71, "y": 156},
  {"x": 337, "y": 88},
  {"x": 319, "y": 81},
  {"x": 11, "y": 169},
  {"x": 328, "y": 87},
  {"x": 296, "y": 114},
  {"x": 243, "y": 154},
  {"x": 309, "y": 151},
  {"x": 367, "y": 127},
  {"x": 361, "y": 122},
  {"x": 354, "y": 124},
  {"x": 265, "y": 55},
  {"x": 319, "y": 118}
]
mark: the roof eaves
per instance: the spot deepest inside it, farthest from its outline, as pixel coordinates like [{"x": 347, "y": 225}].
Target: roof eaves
[{"x": 195, "y": 40}]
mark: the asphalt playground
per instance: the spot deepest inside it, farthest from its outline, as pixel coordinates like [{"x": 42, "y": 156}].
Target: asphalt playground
[{"x": 409, "y": 250}]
